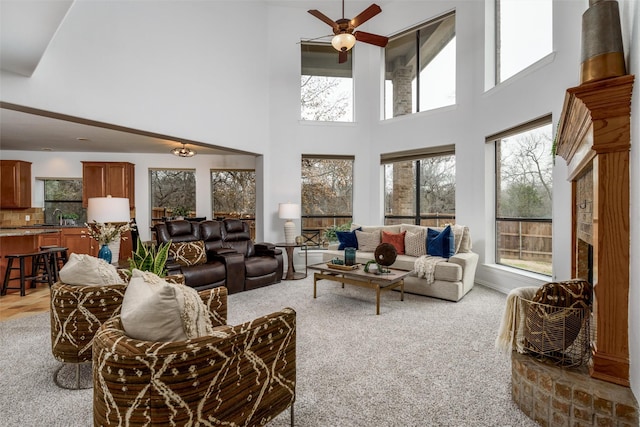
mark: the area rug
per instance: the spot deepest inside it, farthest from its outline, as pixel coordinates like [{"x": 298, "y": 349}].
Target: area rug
[{"x": 421, "y": 362}]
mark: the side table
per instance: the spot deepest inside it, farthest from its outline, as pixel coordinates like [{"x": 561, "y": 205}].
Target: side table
[{"x": 291, "y": 270}]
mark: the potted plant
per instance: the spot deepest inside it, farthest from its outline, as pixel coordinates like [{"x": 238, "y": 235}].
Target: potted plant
[
  {"x": 70, "y": 218},
  {"x": 179, "y": 212},
  {"x": 150, "y": 258},
  {"x": 330, "y": 233}
]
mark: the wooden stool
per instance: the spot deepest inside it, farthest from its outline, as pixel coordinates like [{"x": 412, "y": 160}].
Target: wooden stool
[
  {"x": 38, "y": 260},
  {"x": 57, "y": 259}
]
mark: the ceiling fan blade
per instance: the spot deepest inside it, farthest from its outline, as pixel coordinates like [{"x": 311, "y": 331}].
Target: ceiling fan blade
[
  {"x": 342, "y": 57},
  {"x": 365, "y": 15},
  {"x": 324, "y": 18},
  {"x": 374, "y": 39}
]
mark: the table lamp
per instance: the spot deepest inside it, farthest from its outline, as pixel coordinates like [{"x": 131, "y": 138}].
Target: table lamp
[
  {"x": 108, "y": 210},
  {"x": 289, "y": 212}
]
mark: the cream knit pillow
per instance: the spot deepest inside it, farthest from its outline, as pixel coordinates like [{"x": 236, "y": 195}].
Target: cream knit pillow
[
  {"x": 415, "y": 244},
  {"x": 368, "y": 242}
]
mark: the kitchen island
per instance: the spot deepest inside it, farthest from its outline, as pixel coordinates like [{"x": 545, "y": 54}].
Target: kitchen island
[{"x": 20, "y": 241}]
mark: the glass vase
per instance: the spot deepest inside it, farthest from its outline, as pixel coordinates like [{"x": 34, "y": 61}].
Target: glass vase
[
  {"x": 349, "y": 256},
  {"x": 105, "y": 253}
]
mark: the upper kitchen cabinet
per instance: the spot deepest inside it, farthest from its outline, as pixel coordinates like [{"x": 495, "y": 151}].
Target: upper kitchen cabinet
[
  {"x": 101, "y": 179},
  {"x": 15, "y": 182}
]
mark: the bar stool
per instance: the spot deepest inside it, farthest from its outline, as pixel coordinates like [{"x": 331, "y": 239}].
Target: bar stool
[
  {"x": 39, "y": 260},
  {"x": 57, "y": 258}
]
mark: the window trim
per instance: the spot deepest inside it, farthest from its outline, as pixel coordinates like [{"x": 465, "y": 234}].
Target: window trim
[
  {"x": 538, "y": 122},
  {"x": 415, "y": 156}
]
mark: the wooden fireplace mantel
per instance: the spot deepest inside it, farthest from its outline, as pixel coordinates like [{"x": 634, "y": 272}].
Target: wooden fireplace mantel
[{"x": 594, "y": 136}]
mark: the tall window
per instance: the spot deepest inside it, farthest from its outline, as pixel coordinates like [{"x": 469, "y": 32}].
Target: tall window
[
  {"x": 420, "y": 68},
  {"x": 173, "y": 193},
  {"x": 326, "y": 87},
  {"x": 420, "y": 188},
  {"x": 63, "y": 201},
  {"x": 524, "y": 34},
  {"x": 524, "y": 189},
  {"x": 234, "y": 193},
  {"x": 327, "y": 196}
]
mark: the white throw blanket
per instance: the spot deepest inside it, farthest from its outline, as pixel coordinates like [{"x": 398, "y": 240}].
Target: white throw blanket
[
  {"x": 511, "y": 332},
  {"x": 425, "y": 267}
]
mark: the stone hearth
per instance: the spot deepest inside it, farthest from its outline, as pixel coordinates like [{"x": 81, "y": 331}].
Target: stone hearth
[{"x": 553, "y": 396}]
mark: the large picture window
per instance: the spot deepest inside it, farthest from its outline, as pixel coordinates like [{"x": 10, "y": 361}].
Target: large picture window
[
  {"x": 524, "y": 34},
  {"x": 327, "y": 197},
  {"x": 420, "y": 68},
  {"x": 233, "y": 195},
  {"x": 420, "y": 187},
  {"x": 524, "y": 189},
  {"x": 326, "y": 87},
  {"x": 173, "y": 193}
]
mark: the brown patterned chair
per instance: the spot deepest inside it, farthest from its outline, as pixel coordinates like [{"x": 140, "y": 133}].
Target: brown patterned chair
[
  {"x": 77, "y": 312},
  {"x": 242, "y": 375}
]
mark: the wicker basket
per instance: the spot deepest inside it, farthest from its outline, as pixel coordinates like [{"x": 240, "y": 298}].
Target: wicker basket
[{"x": 559, "y": 334}]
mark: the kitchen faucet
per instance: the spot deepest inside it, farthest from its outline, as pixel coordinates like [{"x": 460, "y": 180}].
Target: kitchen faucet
[{"x": 59, "y": 215}]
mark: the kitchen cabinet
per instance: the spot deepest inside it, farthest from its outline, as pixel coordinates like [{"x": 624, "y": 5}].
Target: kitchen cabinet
[
  {"x": 101, "y": 179},
  {"x": 49, "y": 239},
  {"x": 15, "y": 183},
  {"x": 77, "y": 240}
]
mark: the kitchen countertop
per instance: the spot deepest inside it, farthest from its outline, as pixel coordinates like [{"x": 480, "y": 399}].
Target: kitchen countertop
[{"x": 13, "y": 232}]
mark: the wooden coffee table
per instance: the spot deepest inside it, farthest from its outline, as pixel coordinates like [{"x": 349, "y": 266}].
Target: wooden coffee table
[{"x": 358, "y": 277}]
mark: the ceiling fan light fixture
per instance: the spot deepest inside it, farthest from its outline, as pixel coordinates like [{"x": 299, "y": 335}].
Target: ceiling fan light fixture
[
  {"x": 183, "y": 151},
  {"x": 343, "y": 42}
]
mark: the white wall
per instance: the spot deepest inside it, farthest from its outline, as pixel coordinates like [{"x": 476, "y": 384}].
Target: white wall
[{"x": 196, "y": 70}]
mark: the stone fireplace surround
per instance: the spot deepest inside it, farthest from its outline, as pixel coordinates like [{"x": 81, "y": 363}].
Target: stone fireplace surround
[{"x": 554, "y": 396}]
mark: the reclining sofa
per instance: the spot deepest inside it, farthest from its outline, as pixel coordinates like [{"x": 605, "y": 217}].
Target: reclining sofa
[
  {"x": 219, "y": 253},
  {"x": 452, "y": 278}
]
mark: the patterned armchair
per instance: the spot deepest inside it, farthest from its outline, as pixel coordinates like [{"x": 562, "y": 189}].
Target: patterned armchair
[
  {"x": 77, "y": 312},
  {"x": 241, "y": 375}
]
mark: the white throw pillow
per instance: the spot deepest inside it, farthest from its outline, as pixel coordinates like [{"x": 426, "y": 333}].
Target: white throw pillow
[
  {"x": 83, "y": 269},
  {"x": 156, "y": 310},
  {"x": 415, "y": 244},
  {"x": 367, "y": 242}
]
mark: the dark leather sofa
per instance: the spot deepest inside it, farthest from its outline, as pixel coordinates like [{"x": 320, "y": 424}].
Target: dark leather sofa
[{"x": 233, "y": 260}]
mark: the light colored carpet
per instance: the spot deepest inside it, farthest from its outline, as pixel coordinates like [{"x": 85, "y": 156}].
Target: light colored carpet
[{"x": 422, "y": 362}]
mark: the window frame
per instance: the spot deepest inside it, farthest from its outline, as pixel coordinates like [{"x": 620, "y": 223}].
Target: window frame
[
  {"x": 494, "y": 139},
  {"x": 324, "y": 51},
  {"x": 153, "y": 220},
  {"x": 498, "y": 45},
  {"x": 77, "y": 203},
  {"x": 314, "y": 235},
  {"x": 416, "y": 156},
  {"x": 416, "y": 93}
]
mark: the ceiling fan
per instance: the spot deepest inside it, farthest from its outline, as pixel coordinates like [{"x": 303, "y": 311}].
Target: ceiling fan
[{"x": 343, "y": 29}]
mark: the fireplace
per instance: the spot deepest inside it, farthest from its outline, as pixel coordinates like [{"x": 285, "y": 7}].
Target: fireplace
[{"x": 594, "y": 138}]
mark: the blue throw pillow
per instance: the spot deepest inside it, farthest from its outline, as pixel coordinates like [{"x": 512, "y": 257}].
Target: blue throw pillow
[
  {"x": 348, "y": 239},
  {"x": 440, "y": 243}
]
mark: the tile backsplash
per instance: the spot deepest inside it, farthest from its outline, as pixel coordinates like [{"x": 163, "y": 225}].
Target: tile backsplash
[{"x": 16, "y": 217}]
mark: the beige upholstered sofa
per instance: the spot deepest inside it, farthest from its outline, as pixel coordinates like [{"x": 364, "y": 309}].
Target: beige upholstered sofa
[{"x": 453, "y": 278}]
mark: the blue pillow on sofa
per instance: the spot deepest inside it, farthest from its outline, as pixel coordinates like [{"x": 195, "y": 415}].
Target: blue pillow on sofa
[
  {"x": 441, "y": 243},
  {"x": 348, "y": 239}
]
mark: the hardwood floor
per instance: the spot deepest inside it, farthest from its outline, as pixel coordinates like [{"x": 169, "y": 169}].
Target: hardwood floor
[{"x": 13, "y": 306}]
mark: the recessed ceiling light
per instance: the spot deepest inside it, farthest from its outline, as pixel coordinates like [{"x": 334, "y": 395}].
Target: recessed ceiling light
[{"x": 81, "y": 138}]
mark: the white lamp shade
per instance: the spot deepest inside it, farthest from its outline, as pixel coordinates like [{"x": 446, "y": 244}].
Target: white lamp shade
[
  {"x": 343, "y": 41},
  {"x": 289, "y": 210},
  {"x": 108, "y": 209}
]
